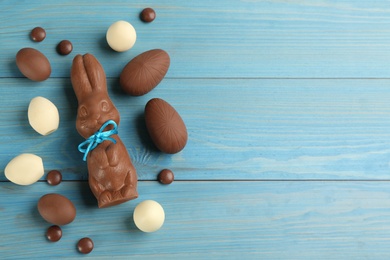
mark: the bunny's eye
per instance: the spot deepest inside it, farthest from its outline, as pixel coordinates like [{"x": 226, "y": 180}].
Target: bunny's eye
[
  {"x": 83, "y": 111},
  {"x": 104, "y": 106}
]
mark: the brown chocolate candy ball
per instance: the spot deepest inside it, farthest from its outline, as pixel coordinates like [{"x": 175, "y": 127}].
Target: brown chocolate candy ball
[
  {"x": 38, "y": 34},
  {"x": 54, "y": 233},
  {"x": 64, "y": 47},
  {"x": 148, "y": 15},
  {"x": 166, "y": 176},
  {"x": 54, "y": 177},
  {"x": 85, "y": 245}
]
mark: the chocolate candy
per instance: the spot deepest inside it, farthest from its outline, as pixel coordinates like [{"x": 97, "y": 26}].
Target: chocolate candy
[
  {"x": 165, "y": 126},
  {"x": 112, "y": 176},
  {"x": 64, "y": 47},
  {"x": 148, "y": 15},
  {"x": 149, "y": 216},
  {"x": 33, "y": 64},
  {"x": 43, "y": 115},
  {"x": 54, "y": 177},
  {"x": 144, "y": 72},
  {"x": 56, "y": 209},
  {"x": 38, "y": 34},
  {"x": 166, "y": 176},
  {"x": 85, "y": 245},
  {"x": 24, "y": 169},
  {"x": 54, "y": 233},
  {"x": 121, "y": 36}
]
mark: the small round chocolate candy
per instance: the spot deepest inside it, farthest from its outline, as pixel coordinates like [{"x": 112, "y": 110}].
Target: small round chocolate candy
[
  {"x": 148, "y": 15},
  {"x": 64, "y": 47},
  {"x": 38, "y": 34},
  {"x": 54, "y": 177},
  {"x": 149, "y": 216},
  {"x": 166, "y": 176},
  {"x": 121, "y": 36},
  {"x": 54, "y": 233},
  {"x": 85, "y": 245}
]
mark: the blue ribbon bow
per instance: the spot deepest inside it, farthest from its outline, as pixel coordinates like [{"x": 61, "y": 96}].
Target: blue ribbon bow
[{"x": 98, "y": 138}]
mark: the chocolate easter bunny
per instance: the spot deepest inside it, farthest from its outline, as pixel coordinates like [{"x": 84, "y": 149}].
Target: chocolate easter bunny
[{"x": 112, "y": 176}]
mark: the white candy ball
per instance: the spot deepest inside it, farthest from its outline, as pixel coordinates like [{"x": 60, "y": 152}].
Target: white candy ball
[
  {"x": 121, "y": 36},
  {"x": 149, "y": 216},
  {"x": 24, "y": 169},
  {"x": 43, "y": 115}
]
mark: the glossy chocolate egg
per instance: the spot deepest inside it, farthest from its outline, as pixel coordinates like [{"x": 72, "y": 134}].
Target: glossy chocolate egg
[
  {"x": 144, "y": 72},
  {"x": 56, "y": 209},
  {"x": 33, "y": 64},
  {"x": 165, "y": 126}
]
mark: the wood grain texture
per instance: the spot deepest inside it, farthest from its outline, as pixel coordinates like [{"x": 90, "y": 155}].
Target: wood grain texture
[
  {"x": 209, "y": 39},
  {"x": 270, "y": 220},
  {"x": 287, "y": 109},
  {"x": 254, "y": 129}
]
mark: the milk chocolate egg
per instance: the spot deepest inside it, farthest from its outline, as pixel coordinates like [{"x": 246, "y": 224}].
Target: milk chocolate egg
[
  {"x": 165, "y": 126},
  {"x": 33, "y": 64},
  {"x": 56, "y": 209},
  {"x": 144, "y": 72}
]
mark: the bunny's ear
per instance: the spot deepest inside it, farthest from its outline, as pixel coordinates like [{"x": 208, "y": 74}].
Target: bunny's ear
[
  {"x": 79, "y": 78},
  {"x": 95, "y": 72}
]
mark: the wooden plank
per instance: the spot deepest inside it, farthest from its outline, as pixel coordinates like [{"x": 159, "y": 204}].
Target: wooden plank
[
  {"x": 238, "y": 128},
  {"x": 210, "y": 39},
  {"x": 254, "y": 220},
  {"x": 286, "y": 104}
]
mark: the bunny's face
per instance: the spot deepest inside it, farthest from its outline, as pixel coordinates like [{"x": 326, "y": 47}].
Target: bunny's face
[{"x": 93, "y": 113}]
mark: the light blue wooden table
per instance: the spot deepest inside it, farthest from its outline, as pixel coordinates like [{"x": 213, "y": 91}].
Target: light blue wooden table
[{"x": 287, "y": 105}]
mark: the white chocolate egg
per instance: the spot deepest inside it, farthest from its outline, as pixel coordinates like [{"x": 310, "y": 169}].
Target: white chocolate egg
[
  {"x": 149, "y": 216},
  {"x": 121, "y": 36},
  {"x": 43, "y": 115},
  {"x": 24, "y": 169}
]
